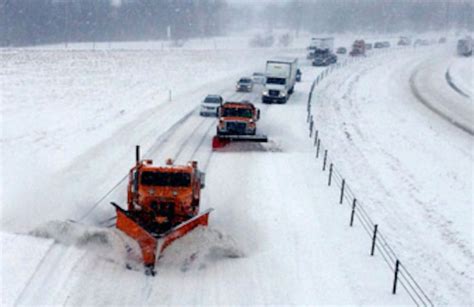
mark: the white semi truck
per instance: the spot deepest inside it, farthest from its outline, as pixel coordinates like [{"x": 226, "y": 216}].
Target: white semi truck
[
  {"x": 324, "y": 44},
  {"x": 280, "y": 79}
]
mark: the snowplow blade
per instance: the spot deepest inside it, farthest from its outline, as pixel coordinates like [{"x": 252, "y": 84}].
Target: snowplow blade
[
  {"x": 220, "y": 141},
  {"x": 153, "y": 245},
  {"x": 129, "y": 225},
  {"x": 182, "y": 229}
]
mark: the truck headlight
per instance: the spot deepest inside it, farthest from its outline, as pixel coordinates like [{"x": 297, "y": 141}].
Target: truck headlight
[
  {"x": 265, "y": 93},
  {"x": 282, "y": 94}
]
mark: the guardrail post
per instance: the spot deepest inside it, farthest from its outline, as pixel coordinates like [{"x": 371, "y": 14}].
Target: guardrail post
[
  {"x": 374, "y": 238},
  {"x": 317, "y": 148},
  {"x": 353, "y": 212},
  {"x": 311, "y": 123},
  {"x": 330, "y": 174},
  {"x": 325, "y": 159},
  {"x": 342, "y": 191},
  {"x": 315, "y": 137},
  {"x": 395, "y": 279}
]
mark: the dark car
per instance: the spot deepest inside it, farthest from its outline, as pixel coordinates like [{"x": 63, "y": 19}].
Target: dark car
[
  {"x": 378, "y": 45},
  {"x": 341, "y": 50},
  {"x": 324, "y": 58},
  {"x": 298, "y": 75},
  {"x": 386, "y": 44},
  {"x": 244, "y": 85}
]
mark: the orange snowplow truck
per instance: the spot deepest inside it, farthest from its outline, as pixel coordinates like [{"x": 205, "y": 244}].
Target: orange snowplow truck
[
  {"x": 163, "y": 205},
  {"x": 237, "y": 123}
]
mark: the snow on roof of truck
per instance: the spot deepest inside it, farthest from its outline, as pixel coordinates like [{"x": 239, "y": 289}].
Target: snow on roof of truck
[{"x": 283, "y": 59}]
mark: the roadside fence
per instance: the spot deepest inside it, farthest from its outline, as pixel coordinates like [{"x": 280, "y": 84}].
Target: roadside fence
[{"x": 358, "y": 213}]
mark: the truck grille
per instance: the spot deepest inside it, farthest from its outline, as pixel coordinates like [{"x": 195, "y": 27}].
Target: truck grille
[
  {"x": 273, "y": 92},
  {"x": 236, "y": 127}
]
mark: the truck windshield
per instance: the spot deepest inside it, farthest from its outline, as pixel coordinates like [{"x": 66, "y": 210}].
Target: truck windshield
[
  {"x": 237, "y": 112},
  {"x": 281, "y": 81},
  {"x": 166, "y": 179}
]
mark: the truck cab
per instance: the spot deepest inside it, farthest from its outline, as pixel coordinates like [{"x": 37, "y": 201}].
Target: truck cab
[
  {"x": 164, "y": 196},
  {"x": 238, "y": 118}
]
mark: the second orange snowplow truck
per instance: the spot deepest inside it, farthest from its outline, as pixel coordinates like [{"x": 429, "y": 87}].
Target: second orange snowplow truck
[
  {"x": 237, "y": 123},
  {"x": 163, "y": 205}
]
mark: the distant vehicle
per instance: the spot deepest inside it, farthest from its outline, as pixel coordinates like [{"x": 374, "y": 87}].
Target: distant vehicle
[
  {"x": 244, "y": 85},
  {"x": 298, "y": 75},
  {"x": 404, "y": 41},
  {"x": 378, "y": 45},
  {"x": 341, "y": 50},
  {"x": 358, "y": 48},
  {"x": 324, "y": 58},
  {"x": 258, "y": 78},
  {"x": 281, "y": 78},
  {"x": 368, "y": 46},
  {"x": 319, "y": 44},
  {"x": 464, "y": 46},
  {"x": 442, "y": 40},
  {"x": 210, "y": 105},
  {"x": 386, "y": 44}
]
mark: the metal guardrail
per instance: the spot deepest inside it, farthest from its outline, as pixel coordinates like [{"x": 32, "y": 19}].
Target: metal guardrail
[{"x": 401, "y": 274}]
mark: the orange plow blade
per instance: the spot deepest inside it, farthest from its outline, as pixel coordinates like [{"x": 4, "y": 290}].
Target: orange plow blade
[
  {"x": 182, "y": 229},
  {"x": 218, "y": 142},
  {"x": 153, "y": 245}
]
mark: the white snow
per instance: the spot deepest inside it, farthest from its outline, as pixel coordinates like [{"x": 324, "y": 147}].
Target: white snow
[
  {"x": 71, "y": 118},
  {"x": 461, "y": 71},
  {"x": 410, "y": 167}
]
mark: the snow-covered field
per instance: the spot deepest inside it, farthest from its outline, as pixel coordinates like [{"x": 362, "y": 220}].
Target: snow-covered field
[
  {"x": 71, "y": 118},
  {"x": 410, "y": 167}
]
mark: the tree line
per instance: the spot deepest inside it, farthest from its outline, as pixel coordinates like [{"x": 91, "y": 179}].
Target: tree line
[
  {"x": 377, "y": 16},
  {"x": 32, "y": 22}
]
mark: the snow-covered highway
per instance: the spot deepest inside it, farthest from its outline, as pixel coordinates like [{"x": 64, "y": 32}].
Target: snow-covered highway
[{"x": 277, "y": 235}]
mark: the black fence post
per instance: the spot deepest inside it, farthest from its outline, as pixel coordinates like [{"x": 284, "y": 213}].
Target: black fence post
[
  {"x": 311, "y": 123},
  {"x": 330, "y": 174},
  {"x": 317, "y": 148},
  {"x": 353, "y": 212},
  {"x": 325, "y": 159},
  {"x": 374, "y": 238},
  {"x": 316, "y": 133},
  {"x": 395, "y": 279},
  {"x": 342, "y": 191}
]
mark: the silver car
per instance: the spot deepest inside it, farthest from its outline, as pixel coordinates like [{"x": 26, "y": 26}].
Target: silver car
[{"x": 210, "y": 105}]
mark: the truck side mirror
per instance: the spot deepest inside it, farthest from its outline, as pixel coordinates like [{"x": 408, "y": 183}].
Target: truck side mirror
[{"x": 258, "y": 114}]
